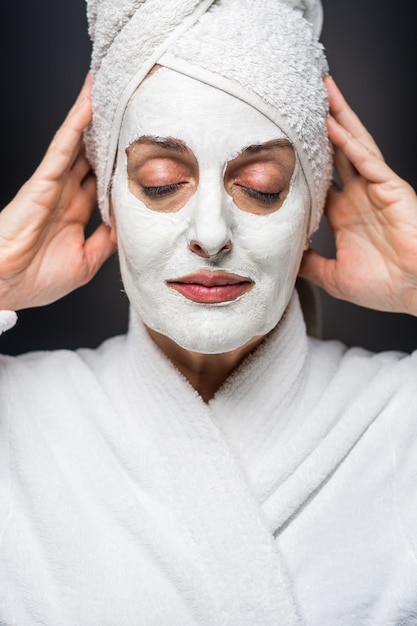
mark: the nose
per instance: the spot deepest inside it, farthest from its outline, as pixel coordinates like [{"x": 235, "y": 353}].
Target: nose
[
  {"x": 197, "y": 248},
  {"x": 210, "y": 233}
]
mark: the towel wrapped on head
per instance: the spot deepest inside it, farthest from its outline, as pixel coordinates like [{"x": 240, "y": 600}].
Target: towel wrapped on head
[{"x": 267, "y": 54}]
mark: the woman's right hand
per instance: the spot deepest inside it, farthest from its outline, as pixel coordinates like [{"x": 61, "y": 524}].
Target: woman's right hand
[{"x": 44, "y": 254}]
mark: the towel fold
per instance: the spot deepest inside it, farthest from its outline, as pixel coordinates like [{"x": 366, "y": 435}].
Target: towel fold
[{"x": 268, "y": 56}]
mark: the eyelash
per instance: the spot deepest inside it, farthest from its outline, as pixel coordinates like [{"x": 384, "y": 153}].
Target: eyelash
[
  {"x": 162, "y": 190},
  {"x": 262, "y": 196}
]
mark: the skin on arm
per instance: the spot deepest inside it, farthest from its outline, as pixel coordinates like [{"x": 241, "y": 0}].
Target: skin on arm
[
  {"x": 44, "y": 254},
  {"x": 373, "y": 219}
]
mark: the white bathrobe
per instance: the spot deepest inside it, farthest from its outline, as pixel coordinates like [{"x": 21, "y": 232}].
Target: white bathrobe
[{"x": 289, "y": 498}]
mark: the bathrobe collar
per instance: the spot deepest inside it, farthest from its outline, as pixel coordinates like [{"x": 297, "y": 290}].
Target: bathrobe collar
[{"x": 202, "y": 470}]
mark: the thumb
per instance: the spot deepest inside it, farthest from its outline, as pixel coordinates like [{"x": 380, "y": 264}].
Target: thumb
[
  {"x": 319, "y": 270},
  {"x": 97, "y": 249}
]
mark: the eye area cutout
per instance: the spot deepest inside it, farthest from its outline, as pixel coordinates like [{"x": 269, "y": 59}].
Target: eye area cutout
[
  {"x": 162, "y": 173},
  {"x": 258, "y": 179}
]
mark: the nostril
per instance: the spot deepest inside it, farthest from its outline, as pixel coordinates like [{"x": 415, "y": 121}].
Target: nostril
[{"x": 197, "y": 248}]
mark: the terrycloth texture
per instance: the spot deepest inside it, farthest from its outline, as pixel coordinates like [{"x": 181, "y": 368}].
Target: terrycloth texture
[
  {"x": 127, "y": 500},
  {"x": 312, "y": 11},
  {"x": 269, "y": 57},
  {"x": 8, "y": 319},
  {"x": 128, "y": 39}
]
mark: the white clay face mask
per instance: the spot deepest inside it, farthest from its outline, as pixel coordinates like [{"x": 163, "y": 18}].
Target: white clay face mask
[{"x": 210, "y": 233}]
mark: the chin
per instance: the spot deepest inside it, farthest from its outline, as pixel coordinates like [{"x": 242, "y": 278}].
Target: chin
[
  {"x": 209, "y": 337},
  {"x": 216, "y": 329},
  {"x": 210, "y": 345}
]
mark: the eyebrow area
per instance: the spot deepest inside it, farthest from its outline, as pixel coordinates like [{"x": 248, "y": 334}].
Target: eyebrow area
[
  {"x": 169, "y": 143},
  {"x": 274, "y": 143}
]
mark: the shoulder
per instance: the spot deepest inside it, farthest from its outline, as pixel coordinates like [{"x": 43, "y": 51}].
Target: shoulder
[
  {"x": 378, "y": 391},
  {"x": 381, "y": 386},
  {"x": 356, "y": 363},
  {"x": 32, "y": 375}
]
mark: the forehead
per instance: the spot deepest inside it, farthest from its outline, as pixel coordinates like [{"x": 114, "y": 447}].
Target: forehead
[{"x": 212, "y": 123}]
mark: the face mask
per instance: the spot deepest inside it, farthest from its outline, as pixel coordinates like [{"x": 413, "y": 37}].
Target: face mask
[{"x": 209, "y": 263}]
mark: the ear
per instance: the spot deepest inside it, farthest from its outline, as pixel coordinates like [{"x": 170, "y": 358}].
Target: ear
[{"x": 113, "y": 229}]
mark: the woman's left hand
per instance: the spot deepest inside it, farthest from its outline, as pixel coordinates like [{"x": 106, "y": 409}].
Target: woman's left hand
[{"x": 374, "y": 221}]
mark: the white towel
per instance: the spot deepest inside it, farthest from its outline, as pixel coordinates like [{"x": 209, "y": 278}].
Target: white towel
[{"x": 267, "y": 55}]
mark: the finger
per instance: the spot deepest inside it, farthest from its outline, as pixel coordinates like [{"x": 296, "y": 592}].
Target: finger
[
  {"x": 337, "y": 213},
  {"x": 332, "y": 207},
  {"x": 67, "y": 142},
  {"x": 29, "y": 209},
  {"x": 89, "y": 185},
  {"x": 366, "y": 162},
  {"x": 83, "y": 96},
  {"x": 89, "y": 191},
  {"x": 344, "y": 115},
  {"x": 343, "y": 166},
  {"x": 83, "y": 201},
  {"x": 66, "y": 145},
  {"x": 97, "y": 249},
  {"x": 84, "y": 93},
  {"x": 320, "y": 271},
  {"x": 81, "y": 167}
]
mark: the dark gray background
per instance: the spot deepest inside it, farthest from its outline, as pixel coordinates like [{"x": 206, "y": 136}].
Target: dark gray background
[{"x": 371, "y": 46}]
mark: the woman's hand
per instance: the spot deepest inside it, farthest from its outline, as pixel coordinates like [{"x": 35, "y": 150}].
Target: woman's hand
[
  {"x": 374, "y": 221},
  {"x": 43, "y": 251}
]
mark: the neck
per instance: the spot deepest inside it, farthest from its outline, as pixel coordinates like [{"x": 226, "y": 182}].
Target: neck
[{"x": 205, "y": 372}]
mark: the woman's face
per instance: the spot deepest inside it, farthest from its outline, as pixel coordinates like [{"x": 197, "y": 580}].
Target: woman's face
[{"x": 211, "y": 211}]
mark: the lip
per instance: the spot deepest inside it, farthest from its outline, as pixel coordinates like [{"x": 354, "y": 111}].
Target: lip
[{"x": 208, "y": 287}]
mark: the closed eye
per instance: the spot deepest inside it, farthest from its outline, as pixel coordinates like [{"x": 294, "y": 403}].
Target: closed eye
[
  {"x": 160, "y": 190},
  {"x": 262, "y": 196}
]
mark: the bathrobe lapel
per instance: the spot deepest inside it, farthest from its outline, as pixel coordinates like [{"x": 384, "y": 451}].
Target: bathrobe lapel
[
  {"x": 294, "y": 411},
  {"x": 231, "y": 559},
  {"x": 235, "y": 471}
]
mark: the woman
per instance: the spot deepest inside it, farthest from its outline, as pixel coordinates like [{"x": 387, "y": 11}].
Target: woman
[{"x": 214, "y": 465}]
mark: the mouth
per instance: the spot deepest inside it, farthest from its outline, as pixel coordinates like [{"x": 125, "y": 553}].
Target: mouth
[{"x": 208, "y": 287}]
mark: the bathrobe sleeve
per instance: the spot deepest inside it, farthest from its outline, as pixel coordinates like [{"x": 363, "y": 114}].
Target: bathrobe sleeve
[{"x": 7, "y": 320}]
